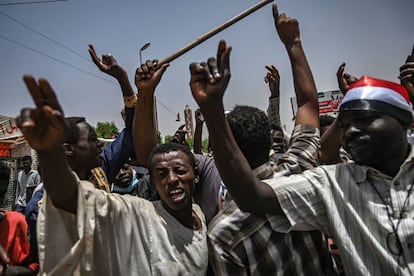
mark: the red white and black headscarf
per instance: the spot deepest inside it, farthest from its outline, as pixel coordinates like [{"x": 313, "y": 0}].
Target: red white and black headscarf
[{"x": 381, "y": 96}]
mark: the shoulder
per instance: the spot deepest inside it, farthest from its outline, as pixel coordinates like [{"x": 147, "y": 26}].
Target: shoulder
[
  {"x": 319, "y": 176},
  {"x": 34, "y": 173},
  {"x": 203, "y": 160},
  {"x": 15, "y": 218},
  {"x": 206, "y": 166},
  {"x": 112, "y": 201},
  {"x": 231, "y": 226}
]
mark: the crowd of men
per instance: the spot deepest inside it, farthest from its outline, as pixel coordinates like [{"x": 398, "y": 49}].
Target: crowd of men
[{"x": 329, "y": 199}]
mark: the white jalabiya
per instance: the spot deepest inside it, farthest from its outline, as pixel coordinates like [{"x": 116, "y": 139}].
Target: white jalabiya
[{"x": 118, "y": 235}]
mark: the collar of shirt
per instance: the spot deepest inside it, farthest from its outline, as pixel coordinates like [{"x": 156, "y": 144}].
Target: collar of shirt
[
  {"x": 264, "y": 171},
  {"x": 362, "y": 172}
]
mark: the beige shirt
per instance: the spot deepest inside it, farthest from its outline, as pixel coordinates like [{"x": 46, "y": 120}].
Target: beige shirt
[
  {"x": 341, "y": 201},
  {"x": 118, "y": 235}
]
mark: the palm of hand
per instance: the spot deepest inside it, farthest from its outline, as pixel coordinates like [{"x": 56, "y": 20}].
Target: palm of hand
[
  {"x": 273, "y": 86},
  {"x": 46, "y": 131},
  {"x": 145, "y": 84},
  {"x": 288, "y": 29},
  {"x": 111, "y": 66},
  {"x": 43, "y": 127},
  {"x": 205, "y": 91}
]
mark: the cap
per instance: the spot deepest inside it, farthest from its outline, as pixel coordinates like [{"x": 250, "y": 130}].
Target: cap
[{"x": 379, "y": 95}]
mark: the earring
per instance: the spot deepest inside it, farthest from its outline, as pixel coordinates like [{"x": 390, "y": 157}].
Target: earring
[{"x": 196, "y": 179}]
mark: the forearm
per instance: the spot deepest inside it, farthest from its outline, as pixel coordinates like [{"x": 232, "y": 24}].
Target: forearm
[
  {"x": 330, "y": 144},
  {"x": 59, "y": 181},
  {"x": 116, "y": 154},
  {"x": 126, "y": 86},
  {"x": 144, "y": 132},
  {"x": 198, "y": 133},
  {"x": 273, "y": 111},
  {"x": 247, "y": 191},
  {"x": 305, "y": 88}
]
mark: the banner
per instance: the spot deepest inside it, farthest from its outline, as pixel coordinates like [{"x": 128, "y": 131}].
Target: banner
[
  {"x": 8, "y": 128},
  {"x": 329, "y": 102}
]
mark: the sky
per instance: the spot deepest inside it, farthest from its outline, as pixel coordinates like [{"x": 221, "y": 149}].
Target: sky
[{"x": 51, "y": 40}]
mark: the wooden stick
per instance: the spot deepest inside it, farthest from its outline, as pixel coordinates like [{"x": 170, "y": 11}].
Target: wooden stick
[{"x": 213, "y": 32}]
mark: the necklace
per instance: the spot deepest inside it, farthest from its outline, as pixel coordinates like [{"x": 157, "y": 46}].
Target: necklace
[{"x": 393, "y": 240}]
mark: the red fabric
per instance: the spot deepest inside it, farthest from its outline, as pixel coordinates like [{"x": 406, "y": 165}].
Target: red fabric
[
  {"x": 13, "y": 237},
  {"x": 368, "y": 81}
]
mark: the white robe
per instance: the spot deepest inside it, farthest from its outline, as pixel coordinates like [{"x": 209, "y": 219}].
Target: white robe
[{"x": 118, "y": 235}]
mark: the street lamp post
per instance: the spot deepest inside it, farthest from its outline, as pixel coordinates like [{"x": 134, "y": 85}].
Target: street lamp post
[{"x": 146, "y": 45}]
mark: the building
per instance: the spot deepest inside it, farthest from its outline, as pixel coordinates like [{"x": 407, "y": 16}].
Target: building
[
  {"x": 188, "y": 116},
  {"x": 13, "y": 147}
]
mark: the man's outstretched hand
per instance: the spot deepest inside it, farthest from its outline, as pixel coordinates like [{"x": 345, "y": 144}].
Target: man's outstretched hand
[
  {"x": 43, "y": 127},
  {"x": 209, "y": 79}
]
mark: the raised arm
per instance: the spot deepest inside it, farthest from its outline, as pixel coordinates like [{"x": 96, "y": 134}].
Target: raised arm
[
  {"x": 198, "y": 132},
  {"x": 147, "y": 78},
  {"x": 407, "y": 75},
  {"x": 115, "y": 154},
  {"x": 331, "y": 140},
  {"x": 272, "y": 78},
  {"x": 110, "y": 66},
  {"x": 305, "y": 89},
  {"x": 208, "y": 83},
  {"x": 179, "y": 136},
  {"x": 44, "y": 129}
]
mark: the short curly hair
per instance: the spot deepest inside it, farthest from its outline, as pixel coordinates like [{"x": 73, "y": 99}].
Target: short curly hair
[
  {"x": 251, "y": 130},
  {"x": 170, "y": 147},
  {"x": 73, "y": 133}
]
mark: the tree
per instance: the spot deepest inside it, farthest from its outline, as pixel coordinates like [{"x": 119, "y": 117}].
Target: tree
[
  {"x": 106, "y": 130},
  {"x": 204, "y": 144},
  {"x": 190, "y": 142},
  {"x": 167, "y": 138},
  {"x": 159, "y": 138}
]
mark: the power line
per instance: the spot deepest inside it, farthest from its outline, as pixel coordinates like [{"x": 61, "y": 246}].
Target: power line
[
  {"x": 45, "y": 36},
  {"x": 31, "y": 2},
  {"x": 63, "y": 46},
  {"x": 74, "y": 67},
  {"x": 166, "y": 107},
  {"x": 55, "y": 59}
]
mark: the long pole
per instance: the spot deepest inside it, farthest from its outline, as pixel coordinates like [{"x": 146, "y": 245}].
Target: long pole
[{"x": 214, "y": 31}]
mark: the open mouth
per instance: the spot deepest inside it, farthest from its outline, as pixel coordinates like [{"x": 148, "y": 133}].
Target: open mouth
[
  {"x": 124, "y": 179},
  {"x": 176, "y": 194}
]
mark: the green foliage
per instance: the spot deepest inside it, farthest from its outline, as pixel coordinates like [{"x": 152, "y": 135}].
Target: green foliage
[
  {"x": 167, "y": 138},
  {"x": 159, "y": 138},
  {"x": 106, "y": 130},
  {"x": 204, "y": 145},
  {"x": 190, "y": 142}
]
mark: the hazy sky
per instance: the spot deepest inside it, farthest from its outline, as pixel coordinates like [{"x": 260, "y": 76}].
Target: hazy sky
[{"x": 372, "y": 36}]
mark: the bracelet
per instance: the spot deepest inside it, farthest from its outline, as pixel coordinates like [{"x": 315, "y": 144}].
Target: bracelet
[{"x": 131, "y": 101}]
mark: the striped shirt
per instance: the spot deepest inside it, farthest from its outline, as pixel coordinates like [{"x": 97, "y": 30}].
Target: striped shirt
[
  {"x": 273, "y": 111},
  {"x": 245, "y": 244},
  {"x": 344, "y": 202}
]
